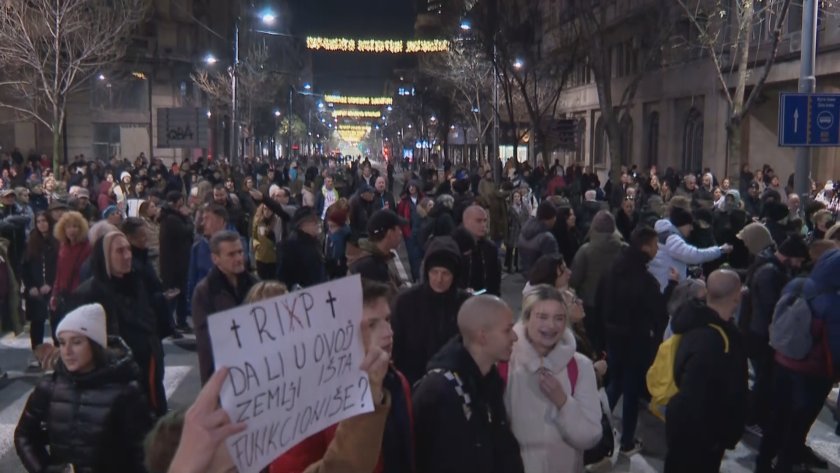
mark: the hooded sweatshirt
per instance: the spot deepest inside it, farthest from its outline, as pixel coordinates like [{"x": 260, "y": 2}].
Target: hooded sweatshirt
[{"x": 535, "y": 240}]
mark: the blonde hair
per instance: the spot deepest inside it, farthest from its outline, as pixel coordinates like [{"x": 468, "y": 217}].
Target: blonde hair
[
  {"x": 265, "y": 290},
  {"x": 71, "y": 218},
  {"x": 541, "y": 293}
]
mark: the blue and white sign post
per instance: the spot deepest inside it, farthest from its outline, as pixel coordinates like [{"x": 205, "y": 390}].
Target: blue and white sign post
[{"x": 809, "y": 120}]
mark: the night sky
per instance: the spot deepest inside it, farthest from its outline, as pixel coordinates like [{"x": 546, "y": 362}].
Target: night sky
[{"x": 354, "y": 73}]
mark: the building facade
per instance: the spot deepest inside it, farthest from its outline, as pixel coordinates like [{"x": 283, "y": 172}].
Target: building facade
[{"x": 677, "y": 117}]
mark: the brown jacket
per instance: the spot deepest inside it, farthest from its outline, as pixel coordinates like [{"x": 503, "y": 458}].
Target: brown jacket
[{"x": 357, "y": 443}]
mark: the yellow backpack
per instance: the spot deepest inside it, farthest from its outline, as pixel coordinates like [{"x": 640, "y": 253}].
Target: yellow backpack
[{"x": 660, "y": 376}]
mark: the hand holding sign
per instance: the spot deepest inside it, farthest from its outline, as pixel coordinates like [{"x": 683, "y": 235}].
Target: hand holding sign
[
  {"x": 206, "y": 425},
  {"x": 294, "y": 368}
]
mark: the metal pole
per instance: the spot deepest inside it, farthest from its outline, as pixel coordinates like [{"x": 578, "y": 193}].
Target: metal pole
[
  {"x": 289, "y": 122},
  {"x": 234, "y": 148},
  {"x": 808, "y": 85},
  {"x": 495, "y": 154}
]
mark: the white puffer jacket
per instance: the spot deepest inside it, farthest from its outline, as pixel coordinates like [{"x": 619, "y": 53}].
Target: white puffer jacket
[{"x": 552, "y": 440}]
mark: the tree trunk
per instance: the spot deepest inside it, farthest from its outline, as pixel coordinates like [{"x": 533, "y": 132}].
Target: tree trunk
[
  {"x": 614, "y": 139},
  {"x": 733, "y": 145},
  {"x": 56, "y": 141}
]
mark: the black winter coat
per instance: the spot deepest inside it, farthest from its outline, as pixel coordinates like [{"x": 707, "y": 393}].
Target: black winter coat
[
  {"x": 176, "y": 239},
  {"x": 300, "y": 260},
  {"x": 447, "y": 441},
  {"x": 424, "y": 320},
  {"x": 482, "y": 268},
  {"x": 709, "y": 409},
  {"x": 40, "y": 269},
  {"x": 632, "y": 308},
  {"x": 94, "y": 421}
]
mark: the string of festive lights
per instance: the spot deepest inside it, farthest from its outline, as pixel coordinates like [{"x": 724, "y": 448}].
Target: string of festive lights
[
  {"x": 363, "y": 128},
  {"x": 342, "y": 100},
  {"x": 357, "y": 113},
  {"x": 377, "y": 46}
]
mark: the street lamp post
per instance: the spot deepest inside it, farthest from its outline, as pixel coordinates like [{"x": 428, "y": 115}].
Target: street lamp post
[{"x": 234, "y": 124}]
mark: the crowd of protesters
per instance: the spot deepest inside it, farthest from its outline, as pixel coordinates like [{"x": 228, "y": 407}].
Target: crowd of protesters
[{"x": 119, "y": 255}]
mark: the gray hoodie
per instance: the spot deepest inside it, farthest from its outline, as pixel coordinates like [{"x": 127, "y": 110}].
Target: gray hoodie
[{"x": 535, "y": 240}]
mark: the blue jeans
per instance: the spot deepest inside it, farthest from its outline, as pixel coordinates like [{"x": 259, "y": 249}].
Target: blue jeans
[
  {"x": 415, "y": 256},
  {"x": 627, "y": 370}
]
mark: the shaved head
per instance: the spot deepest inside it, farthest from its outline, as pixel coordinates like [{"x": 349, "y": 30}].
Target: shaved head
[
  {"x": 480, "y": 313},
  {"x": 723, "y": 292},
  {"x": 475, "y": 221},
  {"x": 486, "y": 324}
]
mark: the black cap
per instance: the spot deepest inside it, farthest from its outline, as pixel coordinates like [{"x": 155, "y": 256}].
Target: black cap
[
  {"x": 680, "y": 217},
  {"x": 794, "y": 247},
  {"x": 383, "y": 220}
]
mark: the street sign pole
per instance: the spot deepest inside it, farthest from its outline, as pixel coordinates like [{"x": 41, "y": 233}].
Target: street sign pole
[{"x": 807, "y": 85}]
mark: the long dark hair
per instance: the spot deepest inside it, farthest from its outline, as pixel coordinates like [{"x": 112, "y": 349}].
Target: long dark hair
[{"x": 37, "y": 242}]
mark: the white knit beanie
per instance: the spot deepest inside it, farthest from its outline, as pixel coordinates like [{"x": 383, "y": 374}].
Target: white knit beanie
[{"x": 88, "y": 320}]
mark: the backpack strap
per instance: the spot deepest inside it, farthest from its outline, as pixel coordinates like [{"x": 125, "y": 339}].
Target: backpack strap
[
  {"x": 722, "y": 332},
  {"x": 458, "y": 385},
  {"x": 572, "y": 370}
]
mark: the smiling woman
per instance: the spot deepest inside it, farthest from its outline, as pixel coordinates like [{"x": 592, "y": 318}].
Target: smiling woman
[{"x": 551, "y": 395}]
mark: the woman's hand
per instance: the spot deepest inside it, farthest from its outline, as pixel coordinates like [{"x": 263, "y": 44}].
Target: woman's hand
[
  {"x": 600, "y": 367},
  {"x": 550, "y": 386}
]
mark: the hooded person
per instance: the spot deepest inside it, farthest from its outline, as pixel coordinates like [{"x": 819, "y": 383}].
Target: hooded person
[
  {"x": 425, "y": 316},
  {"x": 592, "y": 261},
  {"x": 300, "y": 257},
  {"x": 90, "y": 412},
  {"x": 675, "y": 252},
  {"x": 134, "y": 311},
  {"x": 536, "y": 238}
]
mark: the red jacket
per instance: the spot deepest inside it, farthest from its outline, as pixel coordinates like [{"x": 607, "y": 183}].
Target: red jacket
[
  {"x": 70, "y": 260},
  {"x": 313, "y": 448},
  {"x": 404, "y": 211}
]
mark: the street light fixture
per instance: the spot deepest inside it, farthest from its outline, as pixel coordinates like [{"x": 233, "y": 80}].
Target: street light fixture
[
  {"x": 268, "y": 17},
  {"x": 210, "y": 59},
  {"x": 307, "y": 86},
  {"x": 101, "y": 77},
  {"x": 277, "y": 113},
  {"x": 465, "y": 25},
  {"x": 390, "y": 108},
  {"x": 518, "y": 64}
]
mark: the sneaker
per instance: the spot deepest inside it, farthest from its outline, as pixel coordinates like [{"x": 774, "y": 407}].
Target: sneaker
[
  {"x": 812, "y": 460},
  {"x": 754, "y": 429},
  {"x": 636, "y": 448},
  {"x": 184, "y": 328}
]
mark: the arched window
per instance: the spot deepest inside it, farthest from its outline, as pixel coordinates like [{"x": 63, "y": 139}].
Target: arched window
[
  {"x": 599, "y": 143},
  {"x": 580, "y": 155},
  {"x": 653, "y": 139},
  {"x": 693, "y": 142},
  {"x": 626, "y": 127}
]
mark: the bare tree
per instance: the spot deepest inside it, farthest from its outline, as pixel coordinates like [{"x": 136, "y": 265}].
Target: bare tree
[
  {"x": 731, "y": 34},
  {"x": 595, "y": 29},
  {"x": 258, "y": 85},
  {"x": 468, "y": 72},
  {"x": 50, "y": 49}
]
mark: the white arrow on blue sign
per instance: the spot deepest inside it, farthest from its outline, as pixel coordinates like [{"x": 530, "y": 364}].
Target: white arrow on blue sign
[{"x": 809, "y": 120}]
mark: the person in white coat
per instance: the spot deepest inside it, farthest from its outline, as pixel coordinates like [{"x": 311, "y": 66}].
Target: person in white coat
[
  {"x": 552, "y": 394},
  {"x": 675, "y": 252}
]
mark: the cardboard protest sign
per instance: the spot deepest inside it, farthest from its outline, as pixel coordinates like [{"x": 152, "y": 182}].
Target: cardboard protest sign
[{"x": 294, "y": 368}]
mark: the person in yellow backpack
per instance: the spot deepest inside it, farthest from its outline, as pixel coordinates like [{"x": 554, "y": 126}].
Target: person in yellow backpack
[{"x": 706, "y": 416}]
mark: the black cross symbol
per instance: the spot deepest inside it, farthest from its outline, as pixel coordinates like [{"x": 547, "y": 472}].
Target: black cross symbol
[
  {"x": 234, "y": 327},
  {"x": 331, "y": 301}
]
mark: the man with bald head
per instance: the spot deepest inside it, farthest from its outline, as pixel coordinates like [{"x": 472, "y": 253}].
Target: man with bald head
[
  {"x": 459, "y": 413},
  {"x": 482, "y": 267},
  {"x": 707, "y": 415}
]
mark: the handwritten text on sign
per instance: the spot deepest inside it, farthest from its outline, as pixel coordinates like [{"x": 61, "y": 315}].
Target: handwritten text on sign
[{"x": 294, "y": 368}]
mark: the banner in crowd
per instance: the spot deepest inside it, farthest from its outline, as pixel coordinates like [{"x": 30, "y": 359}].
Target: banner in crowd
[{"x": 294, "y": 368}]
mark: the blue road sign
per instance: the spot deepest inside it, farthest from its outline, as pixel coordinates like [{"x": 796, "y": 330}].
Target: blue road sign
[
  {"x": 809, "y": 120},
  {"x": 793, "y": 120}
]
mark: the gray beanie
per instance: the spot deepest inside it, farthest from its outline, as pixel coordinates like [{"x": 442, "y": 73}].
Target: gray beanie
[{"x": 603, "y": 222}]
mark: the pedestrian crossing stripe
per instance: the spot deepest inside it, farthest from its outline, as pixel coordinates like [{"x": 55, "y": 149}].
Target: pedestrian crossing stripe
[{"x": 172, "y": 378}]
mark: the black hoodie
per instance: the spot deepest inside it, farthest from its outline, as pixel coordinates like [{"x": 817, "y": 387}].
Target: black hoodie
[
  {"x": 424, "y": 320},
  {"x": 447, "y": 441},
  {"x": 709, "y": 409}
]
